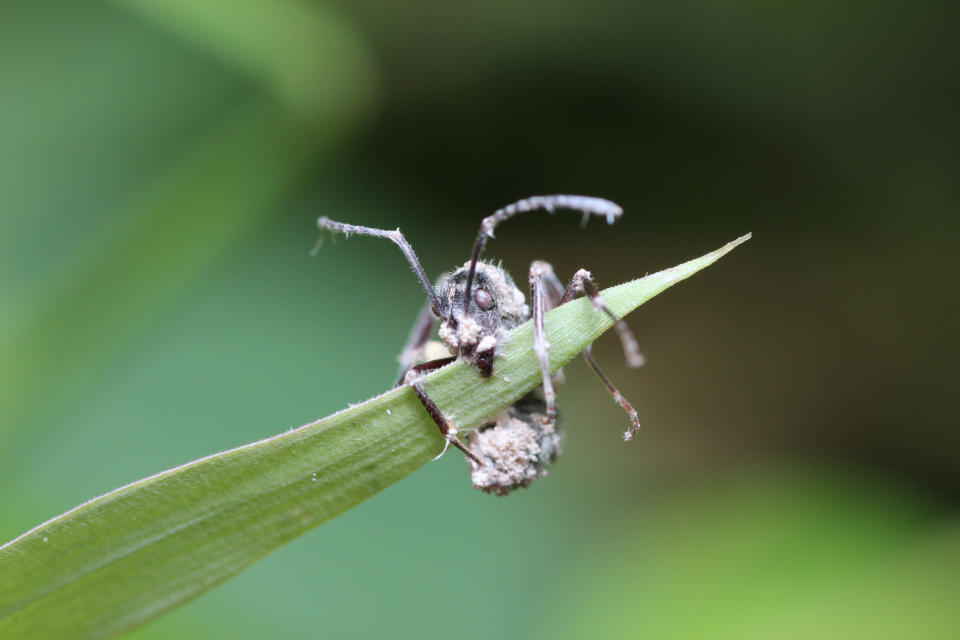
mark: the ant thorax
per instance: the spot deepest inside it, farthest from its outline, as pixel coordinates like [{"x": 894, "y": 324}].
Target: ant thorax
[{"x": 495, "y": 307}]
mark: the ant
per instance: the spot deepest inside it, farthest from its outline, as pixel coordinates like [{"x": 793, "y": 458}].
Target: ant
[{"x": 477, "y": 305}]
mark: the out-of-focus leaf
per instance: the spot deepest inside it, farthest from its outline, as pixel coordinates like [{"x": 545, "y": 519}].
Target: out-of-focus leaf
[
  {"x": 185, "y": 216},
  {"x": 775, "y": 554},
  {"x": 178, "y": 224},
  {"x": 304, "y": 53}
]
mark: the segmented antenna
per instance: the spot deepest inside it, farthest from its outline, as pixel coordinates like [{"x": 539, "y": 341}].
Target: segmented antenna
[
  {"x": 326, "y": 224},
  {"x": 585, "y": 204}
]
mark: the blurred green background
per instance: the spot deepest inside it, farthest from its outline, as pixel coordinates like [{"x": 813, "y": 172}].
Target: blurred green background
[{"x": 161, "y": 168}]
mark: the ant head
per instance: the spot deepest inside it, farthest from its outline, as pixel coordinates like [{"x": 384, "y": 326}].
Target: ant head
[{"x": 495, "y": 305}]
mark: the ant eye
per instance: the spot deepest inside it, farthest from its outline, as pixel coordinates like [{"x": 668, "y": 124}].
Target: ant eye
[{"x": 484, "y": 299}]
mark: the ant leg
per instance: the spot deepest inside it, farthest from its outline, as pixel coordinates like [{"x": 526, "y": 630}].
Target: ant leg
[
  {"x": 582, "y": 279},
  {"x": 447, "y": 428},
  {"x": 541, "y": 278},
  {"x": 631, "y": 349},
  {"x": 617, "y": 397},
  {"x": 419, "y": 335},
  {"x": 585, "y": 204},
  {"x": 326, "y": 224},
  {"x": 417, "y": 370}
]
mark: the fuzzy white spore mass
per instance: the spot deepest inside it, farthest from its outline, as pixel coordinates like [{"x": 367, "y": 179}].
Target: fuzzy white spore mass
[
  {"x": 469, "y": 331},
  {"x": 509, "y": 452},
  {"x": 515, "y": 449},
  {"x": 449, "y": 336},
  {"x": 465, "y": 335}
]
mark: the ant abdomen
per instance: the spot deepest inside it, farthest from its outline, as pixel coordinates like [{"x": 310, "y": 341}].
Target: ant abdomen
[{"x": 516, "y": 447}]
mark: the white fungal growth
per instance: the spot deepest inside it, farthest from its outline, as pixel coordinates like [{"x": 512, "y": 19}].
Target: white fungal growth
[
  {"x": 510, "y": 453},
  {"x": 466, "y": 334},
  {"x": 449, "y": 336},
  {"x": 548, "y": 427},
  {"x": 488, "y": 343},
  {"x": 469, "y": 331}
]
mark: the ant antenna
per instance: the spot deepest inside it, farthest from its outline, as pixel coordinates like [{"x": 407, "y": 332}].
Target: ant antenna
[
  {"x": 585, "y": 204},
  {"x": 326, "y": 224}
]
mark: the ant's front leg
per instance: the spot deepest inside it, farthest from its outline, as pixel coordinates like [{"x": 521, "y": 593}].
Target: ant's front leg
[
  {"x": 484, "y": 362},
  {"x": 582, "y": 280},
  {"x": 449, "y": 430}
]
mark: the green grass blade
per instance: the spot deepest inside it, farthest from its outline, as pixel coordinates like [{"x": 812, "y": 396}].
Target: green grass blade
[{"x": 126, "y": 557}]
